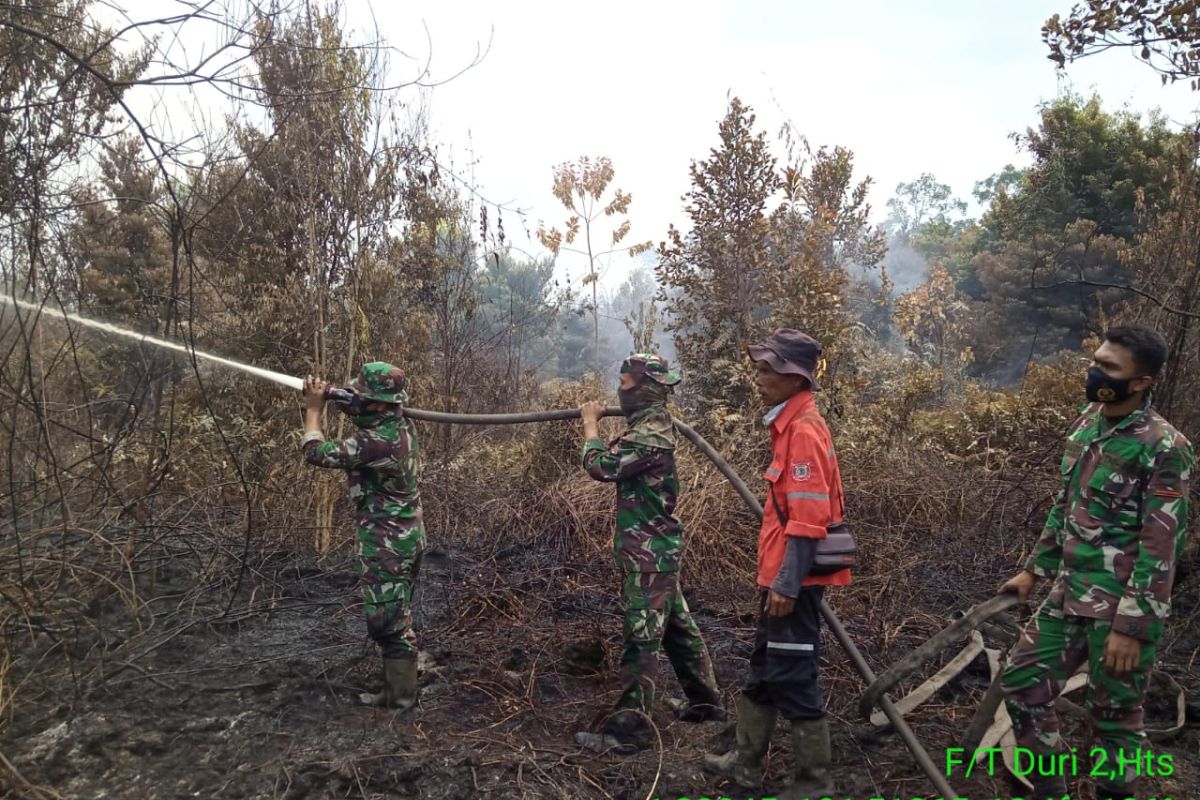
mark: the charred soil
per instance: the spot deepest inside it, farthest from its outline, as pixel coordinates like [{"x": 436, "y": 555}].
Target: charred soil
[{"x": 256, "y": 698}]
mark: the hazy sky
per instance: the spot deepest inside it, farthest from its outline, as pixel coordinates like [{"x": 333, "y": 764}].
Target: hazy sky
[
  {"x": 917, "y": 86},
  {"x": 910, "y": 87}
]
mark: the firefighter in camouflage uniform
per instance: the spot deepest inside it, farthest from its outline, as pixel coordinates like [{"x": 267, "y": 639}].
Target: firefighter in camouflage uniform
[
  {"x": 1110, "y": 545},
  {"x": 381, "y": 463},
  {"x": 648, "y": 548}
]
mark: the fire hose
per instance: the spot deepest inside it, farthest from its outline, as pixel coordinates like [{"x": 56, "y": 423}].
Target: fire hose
[
  {"x": 876, "y": 694},
  {"x": 879, "y": 698}
]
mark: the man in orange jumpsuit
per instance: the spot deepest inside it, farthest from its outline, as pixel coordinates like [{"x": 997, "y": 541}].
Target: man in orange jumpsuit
[{"x": 804, "y": 498}]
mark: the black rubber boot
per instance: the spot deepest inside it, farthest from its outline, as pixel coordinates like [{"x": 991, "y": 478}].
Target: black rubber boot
[
  {"x": 703, "y": 712},
  {"x": 700, "y": 706},
  {"x": 626, "y": 732}
]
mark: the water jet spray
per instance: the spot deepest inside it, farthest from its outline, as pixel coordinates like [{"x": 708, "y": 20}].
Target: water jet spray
[
  {"x": 879, "y": 697},
  {"x": 259, "y": 372}
]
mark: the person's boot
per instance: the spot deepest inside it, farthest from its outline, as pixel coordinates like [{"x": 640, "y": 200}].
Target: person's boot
[
  {"x": 703, "y": 708},
  {"x": 605, "y": 742},
  {"x": 703, "y": 712},
  {"x": 813, "y": 757},
  {"x": 1045, "y": 787},
  {"x": 399, "y": 685},
  {"x": 1111, "y": 791},
  {"x": 625, "y": 733},
  {"x": 743, "y": 764}
]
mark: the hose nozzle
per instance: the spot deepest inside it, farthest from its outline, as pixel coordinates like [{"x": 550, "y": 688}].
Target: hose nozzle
[{"x": 339, "y": 395}]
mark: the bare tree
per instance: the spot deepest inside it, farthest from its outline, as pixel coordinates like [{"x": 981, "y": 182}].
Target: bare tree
[{"x": 581, "y": 187}]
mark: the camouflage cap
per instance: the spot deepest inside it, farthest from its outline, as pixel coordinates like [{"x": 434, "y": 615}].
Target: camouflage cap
[
  {"x": 380, "y": 381},
  {"x": 652, "y": 366}
]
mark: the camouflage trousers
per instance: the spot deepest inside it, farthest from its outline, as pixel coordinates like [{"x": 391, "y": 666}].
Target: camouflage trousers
[
  {"x": 657, "y": 618},
  {"x": 389, "y": 559},
  {"x": 1051, "y": 649}
]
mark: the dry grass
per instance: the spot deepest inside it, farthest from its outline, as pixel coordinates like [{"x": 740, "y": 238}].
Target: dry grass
[
  {"x": 6, "y": 687},
  {"x": 940, "y": 522}
]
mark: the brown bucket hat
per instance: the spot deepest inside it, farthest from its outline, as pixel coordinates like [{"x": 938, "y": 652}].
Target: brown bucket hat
[{"x": 789, "y": 351}]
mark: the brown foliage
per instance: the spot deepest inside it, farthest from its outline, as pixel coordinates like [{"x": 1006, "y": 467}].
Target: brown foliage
[
  {"x": 1162, "y": 32},
  {"x": 1165, "y": 262},
  {"x": 711, "y": 278},
  {"x": 581, "y": 188},
  {"x": 132, "y": 482}
]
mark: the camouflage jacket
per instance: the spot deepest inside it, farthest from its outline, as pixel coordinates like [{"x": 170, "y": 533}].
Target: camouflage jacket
[
  {"x": 1118, "y": 522},
  {"x": 381, "y": 460},
  {"x": 649, "y": 536}
]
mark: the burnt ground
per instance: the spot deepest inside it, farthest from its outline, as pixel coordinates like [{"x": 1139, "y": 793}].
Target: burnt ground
[{"x": 259, "y": 702}]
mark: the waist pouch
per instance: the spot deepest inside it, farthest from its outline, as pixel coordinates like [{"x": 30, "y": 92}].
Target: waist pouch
[{"x": 837, "y": 551}]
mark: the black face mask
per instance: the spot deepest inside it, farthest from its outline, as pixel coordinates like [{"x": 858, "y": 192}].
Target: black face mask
[{"x": 1103, "y": 389}]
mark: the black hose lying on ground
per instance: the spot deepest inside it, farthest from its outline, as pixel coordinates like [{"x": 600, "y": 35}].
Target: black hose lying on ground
[{"x": 884, "y": 701}]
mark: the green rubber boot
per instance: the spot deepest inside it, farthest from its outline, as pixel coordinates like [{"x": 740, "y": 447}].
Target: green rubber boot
[
  {"x": 743, "y": 764},
  {"x": 399, "y": 685},
  {"x": 813, "y": 758}
]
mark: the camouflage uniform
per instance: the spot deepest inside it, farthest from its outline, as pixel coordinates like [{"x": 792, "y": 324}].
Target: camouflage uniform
[
  {"x": 648, "y": 548},
  {"x": 1111, "y": 543},
  {"x": 381, "y": 461}
]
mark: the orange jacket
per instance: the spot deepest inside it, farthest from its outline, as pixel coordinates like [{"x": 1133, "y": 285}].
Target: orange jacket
[{"x": 807, "y": 483}]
